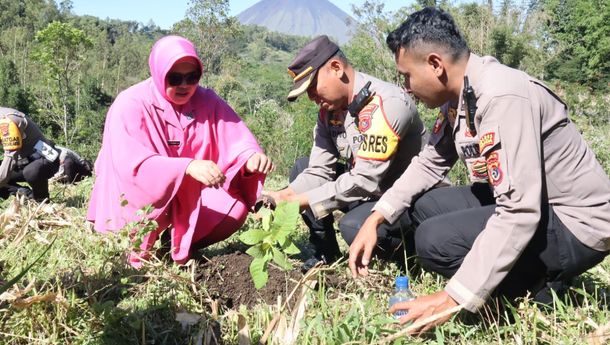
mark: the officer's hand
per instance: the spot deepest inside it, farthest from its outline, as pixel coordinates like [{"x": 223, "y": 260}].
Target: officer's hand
[
  {"x": 206, "y": 172},
  {"x": 259, "y": 163},
  {"x": 286, "y": 194},
  {"x": 271, "y": 195},
  {"x": 424, "y": 307},
  {"x": 361, "y": 250}
]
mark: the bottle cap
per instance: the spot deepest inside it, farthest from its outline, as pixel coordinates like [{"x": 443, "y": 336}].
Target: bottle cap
[{"x": 402, "y": 282}]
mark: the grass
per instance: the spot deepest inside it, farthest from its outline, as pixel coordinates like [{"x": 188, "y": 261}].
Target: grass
[{"x": 92, "y": 297}]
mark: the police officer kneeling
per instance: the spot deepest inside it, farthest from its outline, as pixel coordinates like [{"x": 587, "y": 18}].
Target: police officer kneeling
[
  {"x": 543, "y": 215},
  {"x": 363, "y": 141},
  {"x": 28, "y": 155}
]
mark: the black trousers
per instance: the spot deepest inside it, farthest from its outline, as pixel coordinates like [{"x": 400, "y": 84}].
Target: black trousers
[
  {"x": 322, "y": 231},
  {"x": 451, "y": 218},
  {"x": 75, "y": 170},
  {"x": 37, "y": 174},
  {"x": 12, "y": 189}
]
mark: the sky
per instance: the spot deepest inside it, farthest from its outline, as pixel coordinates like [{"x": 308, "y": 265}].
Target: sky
[{"x": 167, "y": 12}]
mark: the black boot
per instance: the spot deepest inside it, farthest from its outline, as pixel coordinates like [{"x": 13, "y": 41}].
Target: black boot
[
  {"x": 326, "y": 249},
  {"x": 544, "y": 296}
]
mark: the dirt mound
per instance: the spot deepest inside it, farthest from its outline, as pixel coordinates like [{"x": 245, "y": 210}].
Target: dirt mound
[{"x": 227, "y": 278}]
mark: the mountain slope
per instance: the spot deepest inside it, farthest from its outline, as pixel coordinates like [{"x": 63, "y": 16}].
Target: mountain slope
[{"x": 298, "y": 17}]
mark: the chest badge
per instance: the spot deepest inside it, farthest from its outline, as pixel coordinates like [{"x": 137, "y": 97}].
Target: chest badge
[{"x": 336, "y": 122}]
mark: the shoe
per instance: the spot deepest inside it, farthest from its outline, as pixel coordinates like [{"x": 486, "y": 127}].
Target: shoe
[
  {"x": 325, "y": 258},
  {"x": 26, "y": 192},
  {"x": 545, "y": 295}
]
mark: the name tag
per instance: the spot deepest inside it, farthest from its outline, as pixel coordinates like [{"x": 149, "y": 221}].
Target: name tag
[{"x": 173, "y": 142}]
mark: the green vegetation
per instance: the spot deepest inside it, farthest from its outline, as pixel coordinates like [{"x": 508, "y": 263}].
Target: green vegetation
[
  {"x": 83, "y": 292},
  {"x": 272, "y": 241}
]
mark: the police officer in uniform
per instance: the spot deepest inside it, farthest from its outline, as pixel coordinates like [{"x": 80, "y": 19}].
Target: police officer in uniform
[
  {"x": 543, "y": 215},
  {"x": 72, "y": 167},
  {"x": 28, "y": 155},
  {"x": 356, "y": 156}
]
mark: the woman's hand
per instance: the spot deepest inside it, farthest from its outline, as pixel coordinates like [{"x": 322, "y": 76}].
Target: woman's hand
[
  {"x": 259, "y": 163},
  {"x": 206, "y": 172}
]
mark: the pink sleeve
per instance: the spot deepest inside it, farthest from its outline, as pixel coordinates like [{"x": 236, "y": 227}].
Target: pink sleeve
[
  {"x": 139, "y": 156},
  {"x": 237, "y": 145}
]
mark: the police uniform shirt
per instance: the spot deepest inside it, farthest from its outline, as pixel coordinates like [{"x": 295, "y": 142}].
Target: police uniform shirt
[
  {"x": 526, "y": 141},
  {"x": 388, "y": 137},
  {"x": 19, "y": 135}
]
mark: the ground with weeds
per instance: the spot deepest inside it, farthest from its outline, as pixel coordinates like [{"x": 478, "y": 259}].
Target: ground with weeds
[
  {"x": 226, "y": 278},
  {"x": 82, "y": 292}
]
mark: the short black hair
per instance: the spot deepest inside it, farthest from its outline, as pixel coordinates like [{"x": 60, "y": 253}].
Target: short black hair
[
  {"x": 340, "y": 55},
  {"x": 430, "y": 25}
]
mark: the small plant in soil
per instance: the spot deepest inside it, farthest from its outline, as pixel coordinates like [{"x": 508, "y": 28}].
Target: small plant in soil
[
  {"x": 140, "y": 228},
  {"x": 270, "y": 240}
]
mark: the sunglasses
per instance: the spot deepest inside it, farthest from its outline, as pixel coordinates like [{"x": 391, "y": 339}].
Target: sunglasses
[{"x": 176, "y": 79}]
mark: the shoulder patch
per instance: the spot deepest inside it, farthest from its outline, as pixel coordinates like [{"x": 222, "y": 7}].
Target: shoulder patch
[
  {"x": 494, "y": 169},
  {"x": 365, "y": 116},
  {"x": 379, "y": 141},
  {"x": 486, "y": 140},
  {"x": 11, "y": 135}
]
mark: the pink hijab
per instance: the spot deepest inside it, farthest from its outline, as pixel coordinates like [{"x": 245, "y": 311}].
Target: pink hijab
[{"x": 148, "y": 143}]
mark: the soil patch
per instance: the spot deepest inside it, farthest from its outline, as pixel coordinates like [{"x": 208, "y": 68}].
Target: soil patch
[{"x": 227, "y": 278}]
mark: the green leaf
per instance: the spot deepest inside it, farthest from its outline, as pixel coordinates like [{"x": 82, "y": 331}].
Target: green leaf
[
  {"x": 253, "y": 236},
  {"x": 281, "y": 260},
  {"x": 285, "y": 221},
  {"x": 266, "y": 216},
  {"x": 256, "y": 251},
  {"x": 268, "y": 252},
  {"x": 258, "y": 271},
  {"x": 286, "y": 216},
  {"x": 291, "y": 249}
]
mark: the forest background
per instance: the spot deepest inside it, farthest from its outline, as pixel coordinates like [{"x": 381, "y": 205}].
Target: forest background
[{"x": 64, "y": 70}]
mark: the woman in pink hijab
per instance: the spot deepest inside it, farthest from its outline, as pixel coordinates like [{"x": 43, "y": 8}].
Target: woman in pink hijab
[{"x": 179, "y": 147}]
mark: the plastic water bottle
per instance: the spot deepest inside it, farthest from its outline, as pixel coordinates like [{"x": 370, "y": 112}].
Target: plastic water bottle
[{"x": 401, "y": 294}]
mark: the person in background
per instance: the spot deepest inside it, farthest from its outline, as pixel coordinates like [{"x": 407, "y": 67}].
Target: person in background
[
  {"x": 179, "y": 149},
  {"x": 28, "y": 155},
  {"x": 358, "y": 152},
  {"x": 72, "y": 167},
  {"x": 538, "y": 213}
]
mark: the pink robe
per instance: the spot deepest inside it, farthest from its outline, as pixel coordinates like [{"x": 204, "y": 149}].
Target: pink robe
[{"x": 149, "y": 142}]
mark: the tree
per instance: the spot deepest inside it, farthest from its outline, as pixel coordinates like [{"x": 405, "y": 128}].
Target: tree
[
  {"x": 367, "y": 50},
  {"x": 210, "y": 27},
  {"x": 60, "y": 49},
  {"x": 11, "y": 93},
  {"x": 579, "y": 40}
]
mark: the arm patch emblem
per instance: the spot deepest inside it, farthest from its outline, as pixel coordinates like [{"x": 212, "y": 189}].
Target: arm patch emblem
[
  {"x": 11, "y": 135},
  {"x": 494, "y": 170},
  {"x": 486, "y": 141},
  {"x": 366, "y": 116},
  {"x": 379, "y": 141}
]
